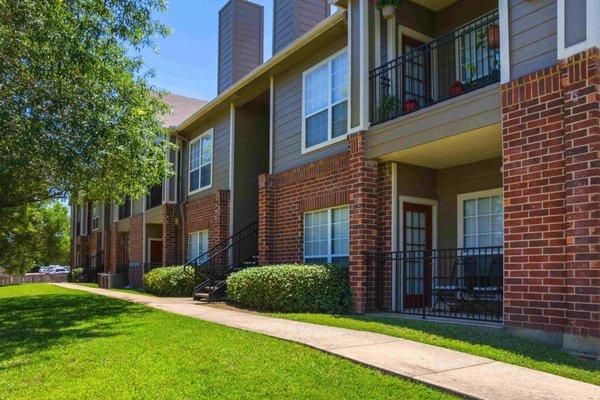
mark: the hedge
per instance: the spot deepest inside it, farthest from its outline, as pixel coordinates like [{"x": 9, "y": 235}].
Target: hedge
[
  {"x": 170, "y": 281},
  {"x": 291, "y": 288},
  {"x": 77, "y": 275}
]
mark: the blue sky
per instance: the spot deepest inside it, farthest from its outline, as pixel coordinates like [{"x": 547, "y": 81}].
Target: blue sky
[{"x": 186, "y": 63}]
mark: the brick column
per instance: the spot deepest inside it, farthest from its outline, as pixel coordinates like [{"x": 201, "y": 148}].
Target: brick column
[
  {"x": 170, "y": 245},
  {"x": 266, "y": 212},
  {"x": 362, "y": 193},
  {"x": 108, "y": 234},
  {"x": 384, "y": 230},
  {"x": 551, "y": 147},
  {"x": 580, "y": 81},
  {"x": 136, "y": 249}
]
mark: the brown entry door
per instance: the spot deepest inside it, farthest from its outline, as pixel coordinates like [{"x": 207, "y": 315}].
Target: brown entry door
[
  {"x": 416, "y": 266},
  {"x": 156, "y": 251}
]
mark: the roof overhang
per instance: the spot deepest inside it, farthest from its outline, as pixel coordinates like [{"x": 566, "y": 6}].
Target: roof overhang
[{"x": 257, "y": 81}]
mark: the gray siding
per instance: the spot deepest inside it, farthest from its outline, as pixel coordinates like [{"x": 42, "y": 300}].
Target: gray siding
[
  {"x": 287, "y": 127},
  {"x": 220, "y": 178},
  {"x": 460, "y": 13},
  {"x": 240, "y": 41},
  {"x": 532, "y": 27},
  {"x": 417, "y": 181},
  {"x": 483, "y": 175},
  {"x": 251, "y": 160},
  {"x": 293, "y": 18}
]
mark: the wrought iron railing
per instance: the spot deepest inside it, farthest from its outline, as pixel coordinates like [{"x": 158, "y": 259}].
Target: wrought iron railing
[
  {"x": 212, "y": 267},
  {"x": 464, "y": 283},
  {"x": 461, "y": 61}
]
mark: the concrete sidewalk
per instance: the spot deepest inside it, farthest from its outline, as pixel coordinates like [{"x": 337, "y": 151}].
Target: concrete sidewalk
[{"x": 461, "y": 373}]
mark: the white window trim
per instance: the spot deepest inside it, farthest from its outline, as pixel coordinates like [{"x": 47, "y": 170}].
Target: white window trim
[
  {"x": 504, "y": 41},
  {"x": 212, "y": 166},
  {"x": 330, "y": 106},
  {"x": 188, "y": 242},
  {"x": 460, "y": 199},
  {"x": 592, "y": 31},
  {"x": 329, "y": 255}
]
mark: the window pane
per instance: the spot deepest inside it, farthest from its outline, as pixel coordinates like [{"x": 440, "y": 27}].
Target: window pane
[
  {"x": 470, "y": 208},
  {"x": 316, "y": 129},
  {"x": 339, "y": 78},
  {"x": 339, "y": 119},
  {"x": 205, "y": 179},
  {"x": 470, "y": 226},
  {"x": 194, "y": 179},
  {"x": 315, "y": 234},
  {"x": 341, "y": 261},
  {"x": 194, "y": 155},
  {"x": 206, "y": 149},
  {"x": 497, "y": 204},
  {"x": 316, "y": 91},
  {"x": 483, "y": 224},
  {"x": 315, "y": 260},
  {"x": 483, "y": 206}
]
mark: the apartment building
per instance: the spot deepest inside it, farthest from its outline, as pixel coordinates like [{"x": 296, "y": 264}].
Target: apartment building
[{"x": 447, "y": 154}]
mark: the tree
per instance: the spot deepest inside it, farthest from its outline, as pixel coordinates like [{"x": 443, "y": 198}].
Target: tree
[
  {"x": 77, "y": 115},
  {"x": 33, "y": 234}
]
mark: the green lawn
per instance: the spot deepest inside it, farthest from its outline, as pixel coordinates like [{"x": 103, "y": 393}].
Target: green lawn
[
  {"x": 493, "y": 344},
  {"x": 124, "y": 290},
  {"x": 64, "y": 344}
]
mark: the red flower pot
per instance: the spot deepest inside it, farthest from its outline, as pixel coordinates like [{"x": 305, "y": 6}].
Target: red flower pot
[
  {"x": 410, "y": 105},
  {"x": 457, "y": 88}
]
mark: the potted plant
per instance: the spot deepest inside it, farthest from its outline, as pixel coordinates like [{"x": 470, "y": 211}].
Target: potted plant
[
  {"x": 389, "y": 107},
  {"x": 493, "y": 37},
  {"x": 388, "y": 7},
  {"x": 457, "y": 88},
  {"x": 410, "y": 105}
]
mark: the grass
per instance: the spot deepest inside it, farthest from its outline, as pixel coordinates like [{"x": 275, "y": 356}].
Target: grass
[
  {"x": 57, "y": 343},
  {"x": 490, "y": 343},
  {"x": 124, "y": 290}
]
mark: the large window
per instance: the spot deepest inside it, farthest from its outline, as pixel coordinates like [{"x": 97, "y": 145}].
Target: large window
[
  {"x": 95, "y": 216},
  {"x": 201, "y": 155},
  {"x": 326, "y": 236},
  {"x": 197, "y": 244},
  {"x": 481, "y": 216},
  {"x": 325, "y": 109}
]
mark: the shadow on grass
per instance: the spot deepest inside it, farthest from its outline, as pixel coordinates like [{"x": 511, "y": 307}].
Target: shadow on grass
[
  {"x": 497, "y": 341},
  {"x": 30, "y": 324}
]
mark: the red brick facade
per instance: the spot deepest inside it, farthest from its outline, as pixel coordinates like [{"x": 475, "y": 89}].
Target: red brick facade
[
  {"x": 343, "y": 179},
  {"x": 210, "y": 212},
  {"x": 551, "y": 148},
  {"x": 170, "y": 236}
]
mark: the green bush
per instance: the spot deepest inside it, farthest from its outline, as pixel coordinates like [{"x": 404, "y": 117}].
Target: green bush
[
  {"x": 170, "y": 281},
  {"x": 292, "y": 288},
  {"x": 77, "y": 274}
]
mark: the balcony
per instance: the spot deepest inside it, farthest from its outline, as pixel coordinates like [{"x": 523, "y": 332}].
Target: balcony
[
  {"x": 462, "y": 61},
  {"x": 125, "y": 208}
]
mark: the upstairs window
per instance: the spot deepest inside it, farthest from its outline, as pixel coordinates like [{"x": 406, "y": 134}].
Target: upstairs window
[
  {"x": 95, "y": 216},
  {"x": 201, "y": 155},
  {"x": 325, "y": 108}
]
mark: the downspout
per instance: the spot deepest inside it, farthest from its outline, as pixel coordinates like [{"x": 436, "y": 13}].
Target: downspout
[{"x": 184, "y": 195}]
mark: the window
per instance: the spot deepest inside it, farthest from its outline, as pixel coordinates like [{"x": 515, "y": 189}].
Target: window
[
  {"x": 481, "y": 216},
  {"x": 201, "y": 154},
  {"x": 197, "y": 245},
  {"x": 326, "y": 236},
  {"x": 325, "y": 108},
  {"x": 95, "y": 216}
]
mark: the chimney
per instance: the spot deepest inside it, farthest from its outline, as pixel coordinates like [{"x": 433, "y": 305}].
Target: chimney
[
  {"x": 240, "y": 41},
  {"x": 293, "y": 18}
]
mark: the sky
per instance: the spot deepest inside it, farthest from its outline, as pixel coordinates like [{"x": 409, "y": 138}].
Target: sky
[{"x": 186, "y": 62}]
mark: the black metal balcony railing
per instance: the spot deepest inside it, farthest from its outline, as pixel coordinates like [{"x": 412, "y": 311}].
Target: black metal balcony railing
[
  {"x": 125, "y": 208},
  {"x": 154, "y": 198},
  {"x": 451, "y": 283},
  {"x": 461, "y": 61}
]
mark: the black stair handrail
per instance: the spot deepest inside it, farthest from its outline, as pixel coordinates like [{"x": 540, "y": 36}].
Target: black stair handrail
[{"x": 210, "y": 272}]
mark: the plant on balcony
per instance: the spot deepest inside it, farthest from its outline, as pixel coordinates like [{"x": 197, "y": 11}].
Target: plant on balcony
[
  {"x": 388, "y": 7},
  {"x": 388, "y": 107},
  {"x": 410, "y": 105}
]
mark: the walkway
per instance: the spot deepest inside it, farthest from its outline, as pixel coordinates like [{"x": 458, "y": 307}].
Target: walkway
[{"x": 461, "y": 373}]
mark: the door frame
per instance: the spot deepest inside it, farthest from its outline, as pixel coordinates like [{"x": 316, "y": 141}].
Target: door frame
[
  {"x": 421, "y": 37},
  {"x": 397, "y": 292},
  {"x": 150, "y": 240}
]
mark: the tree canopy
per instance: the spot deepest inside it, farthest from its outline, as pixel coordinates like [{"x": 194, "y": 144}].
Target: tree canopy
[
  {"x": 34, "y": 234},
  {"x": 77, "y": 115}
]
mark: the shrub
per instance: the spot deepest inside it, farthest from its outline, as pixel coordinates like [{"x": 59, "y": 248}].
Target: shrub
[
  {"x": 291, "y": 288},
  {"x": 77, "y": 275},
  {"x": 170, "y": 281}
]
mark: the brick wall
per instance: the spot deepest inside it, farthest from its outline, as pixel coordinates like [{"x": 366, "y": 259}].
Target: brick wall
[
  {"x": 119, "y": 249},
  {"x": 551, "y": 143},
  {"x": 136, "y": 238},
  {"x": 210, "y": 212},
  {"x": 342, "y": 179},
  {"x": 384, "y": 230},
  {"x": 170, "y": 236}
]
